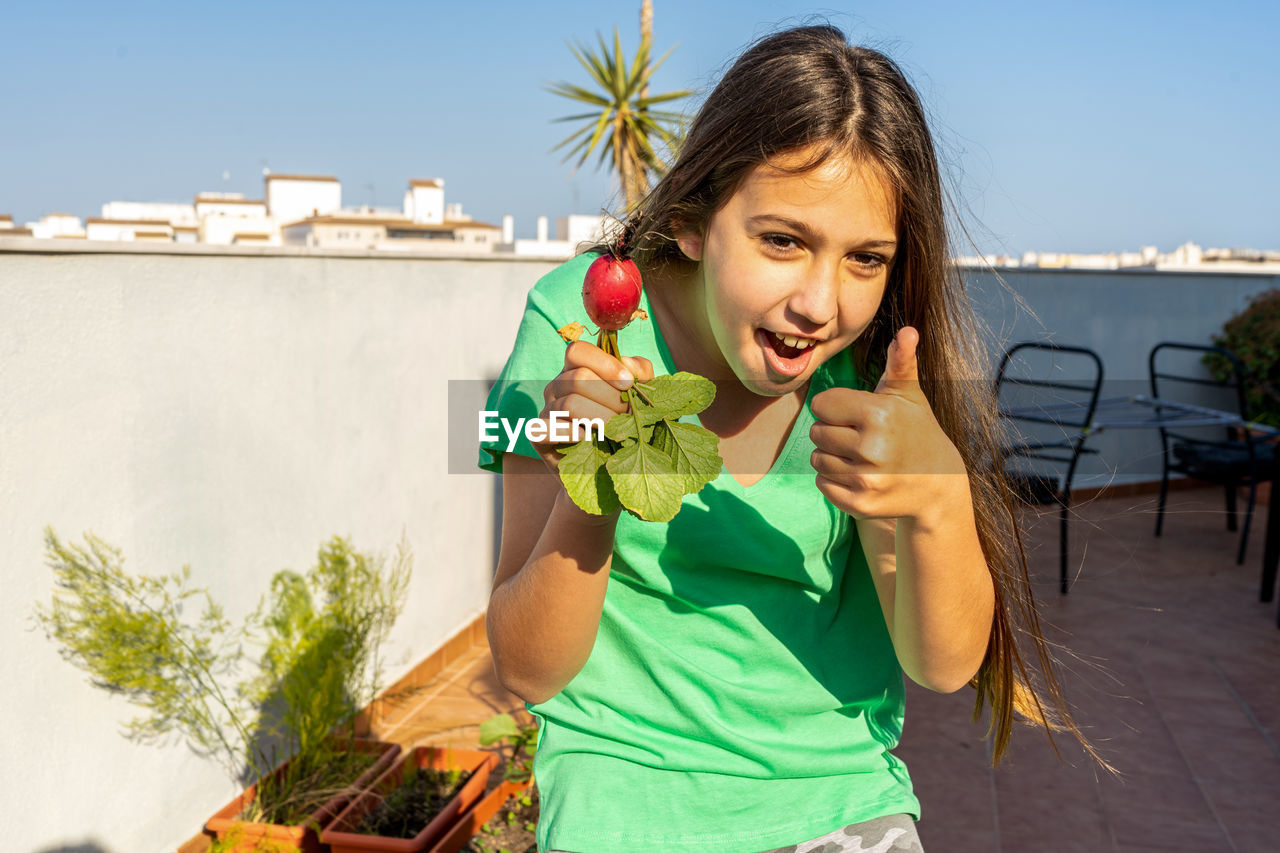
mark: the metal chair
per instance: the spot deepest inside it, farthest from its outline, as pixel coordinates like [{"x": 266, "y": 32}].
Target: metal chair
[
  {"x": 1235, "y": 460},
  {"x": 1027, "y": 392}
]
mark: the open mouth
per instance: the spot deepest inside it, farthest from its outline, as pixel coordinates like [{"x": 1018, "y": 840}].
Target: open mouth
[
  {"x": 790, "y": 355},
  {"x": 788, "y": 347}
]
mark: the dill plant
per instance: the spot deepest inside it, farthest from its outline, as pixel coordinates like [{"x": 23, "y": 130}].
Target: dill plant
[{"x": 170, "y": 650}]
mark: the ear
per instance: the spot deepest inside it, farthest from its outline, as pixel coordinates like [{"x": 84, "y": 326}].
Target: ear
[{"x": 690, "y": 243}]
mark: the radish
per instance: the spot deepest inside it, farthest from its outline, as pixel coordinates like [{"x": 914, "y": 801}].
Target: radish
[{"x": 611, "y": 291}]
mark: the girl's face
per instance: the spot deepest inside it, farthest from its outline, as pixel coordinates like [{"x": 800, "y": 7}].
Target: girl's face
[{"x": 792, "y": 270}]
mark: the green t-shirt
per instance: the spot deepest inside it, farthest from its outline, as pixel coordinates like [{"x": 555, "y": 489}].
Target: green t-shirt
[{"x": 742, "y": 693}]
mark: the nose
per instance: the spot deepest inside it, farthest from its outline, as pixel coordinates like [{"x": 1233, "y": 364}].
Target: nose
[{"x": 817, "y": 296}]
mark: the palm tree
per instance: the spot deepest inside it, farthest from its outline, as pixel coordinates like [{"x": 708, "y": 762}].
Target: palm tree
[{"x": 622, "y": 118}]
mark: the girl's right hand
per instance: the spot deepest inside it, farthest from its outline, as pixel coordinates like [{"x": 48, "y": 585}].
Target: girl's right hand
[{"x": 592, "y": 385}]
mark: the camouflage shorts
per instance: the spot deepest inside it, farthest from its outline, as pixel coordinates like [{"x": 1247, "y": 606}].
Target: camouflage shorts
[{"x": 890, "y": 834}]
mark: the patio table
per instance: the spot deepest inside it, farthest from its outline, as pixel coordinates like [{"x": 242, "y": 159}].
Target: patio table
[{"x": 1140, "y": 411}]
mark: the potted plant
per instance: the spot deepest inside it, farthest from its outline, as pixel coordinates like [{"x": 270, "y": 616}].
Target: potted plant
[
  {"x": 511, "y": 827},
  {"x": 414, "y": 804},
  {"x": 296, "y": 804},
  {"x": 321, "y": 634},
  {"x": 507, "y": 817},
  {"x": 1253, "y": 336}
]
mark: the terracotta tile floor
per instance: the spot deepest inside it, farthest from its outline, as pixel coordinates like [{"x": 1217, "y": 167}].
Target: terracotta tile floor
[{"x": 1173, "y": 666}]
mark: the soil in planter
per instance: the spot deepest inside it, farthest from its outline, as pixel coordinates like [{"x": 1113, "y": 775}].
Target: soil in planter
[
  {"x": 409, "y": 808},
  {"x": 293, "y": 797},
  {"x": 514, "y": 829}
]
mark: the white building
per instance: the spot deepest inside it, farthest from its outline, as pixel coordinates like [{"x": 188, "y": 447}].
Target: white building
[
  {"x": 350, "y": 230},
  {"x": 175, "y": 213},
  {"x": 582, "y": 230},
  {"x": 227, "y": 219},
  {"x": 228, "y": 204},
  {"x": 1188, "y": 257},
  {"x": 237, "y": 230},
  {"x": 424, "y": 201},
  {"x": 102, "y": 228},
  {"x": 1191, "y": 257},
  {"x": 293, "y": 197},
  {"x": 426, "y": 224},
  {"x": 57, "y": 225},
  {"x": 8, "y": 229}
]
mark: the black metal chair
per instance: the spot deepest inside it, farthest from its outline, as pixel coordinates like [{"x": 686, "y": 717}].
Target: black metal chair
[
  {"x": 1233, "y": 461},
  {"x": 1028, "y": 392}
]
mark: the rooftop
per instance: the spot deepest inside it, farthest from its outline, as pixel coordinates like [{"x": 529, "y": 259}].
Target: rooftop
[
  {"x": 327, "y": 178},
  {"x": 1171, "y": 668}
]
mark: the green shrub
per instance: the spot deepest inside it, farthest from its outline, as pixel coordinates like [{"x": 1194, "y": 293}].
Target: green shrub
[
  {"x": 321, "y": 634},
  {"x": 1253, "y": 336}
]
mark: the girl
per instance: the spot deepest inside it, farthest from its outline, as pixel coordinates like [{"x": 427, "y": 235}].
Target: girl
[{"x": 731, "y": 681}]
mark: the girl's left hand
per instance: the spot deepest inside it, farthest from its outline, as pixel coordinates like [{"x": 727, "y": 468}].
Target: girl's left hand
[{"x": 882, "y": 454}]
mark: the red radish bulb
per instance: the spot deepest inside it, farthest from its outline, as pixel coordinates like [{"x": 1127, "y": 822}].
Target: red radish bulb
[{"x": 611, "y": 291}]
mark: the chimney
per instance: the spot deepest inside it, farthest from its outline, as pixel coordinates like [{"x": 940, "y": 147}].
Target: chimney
[
  {"x": 508, "y": 229},
  {"x": 542, "y": 229}
]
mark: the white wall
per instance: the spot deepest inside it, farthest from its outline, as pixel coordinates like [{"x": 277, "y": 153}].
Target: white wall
[
  {"x": 233, "y": 209},
  {"x": 177, "y": 214},
  {"x": 425, "y": 204},
  {"x": 231, "y": 413},
  {"x": 579, "y": 229},
  {"x": 121, "y": 231},
  {"x": 288, "y": 200},
  {"x": 57, "y": 225},
  {"x": 221, "y": 230}
]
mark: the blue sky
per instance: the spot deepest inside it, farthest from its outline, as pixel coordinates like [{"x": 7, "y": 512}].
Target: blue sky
[{"x": 1081, "y": 127}]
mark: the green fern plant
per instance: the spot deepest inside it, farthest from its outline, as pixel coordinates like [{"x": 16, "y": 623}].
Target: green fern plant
[{"x": 321, "y": 636}]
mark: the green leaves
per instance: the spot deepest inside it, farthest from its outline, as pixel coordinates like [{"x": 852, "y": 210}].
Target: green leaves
[
  {"x": 692, "y": 449},
  {"x": 622, "y": 123},
  {"x": 523, "y": 740},
  {"x": 582, "y": 470},
  {"x": 1253, "y": 336},
  {"x": 648, "y": 460},
  {"x": 140, "y": 636},
  {"x": 645, "y": 479}
]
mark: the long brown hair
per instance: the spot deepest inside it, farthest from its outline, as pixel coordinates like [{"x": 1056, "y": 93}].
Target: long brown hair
[{"x": 808, "y": 89}]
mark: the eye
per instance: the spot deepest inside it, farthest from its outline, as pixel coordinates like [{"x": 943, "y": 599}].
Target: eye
[
  {"x": 868, "y": 261},
  {"x": 780, "y": 243}
]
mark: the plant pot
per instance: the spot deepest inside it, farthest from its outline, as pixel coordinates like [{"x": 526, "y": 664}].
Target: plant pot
[
  {"x": 343, "y": 839},
  {"x": 304, "y": 837},
  {"x": 468, "y": 826}
]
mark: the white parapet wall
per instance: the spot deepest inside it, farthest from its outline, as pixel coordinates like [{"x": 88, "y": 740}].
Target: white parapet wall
[{"x": 228, "y": 411}]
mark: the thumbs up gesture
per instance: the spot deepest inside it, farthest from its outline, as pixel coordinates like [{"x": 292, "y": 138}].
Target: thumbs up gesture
[{"x": 882, "y": 454}]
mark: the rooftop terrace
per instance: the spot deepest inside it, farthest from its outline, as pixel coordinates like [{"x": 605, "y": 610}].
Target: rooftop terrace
[{"x": 1173, "y": 667}]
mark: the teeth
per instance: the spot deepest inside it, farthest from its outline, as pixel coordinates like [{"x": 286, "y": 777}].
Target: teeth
[{"x": 802, "y": 343}]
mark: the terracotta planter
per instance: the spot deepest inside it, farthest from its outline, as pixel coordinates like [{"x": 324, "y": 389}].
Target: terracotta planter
[
  {"x": 342, "y": 837},
  {"x": 468, "y": 826},
  {"x": 304, "y": 837}
]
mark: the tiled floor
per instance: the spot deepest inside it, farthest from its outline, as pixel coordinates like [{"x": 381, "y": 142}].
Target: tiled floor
[{"x": 1171, "y": 661}]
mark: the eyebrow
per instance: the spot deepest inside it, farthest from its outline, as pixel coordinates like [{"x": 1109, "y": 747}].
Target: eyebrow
[{"x": 807, "y": 232}]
